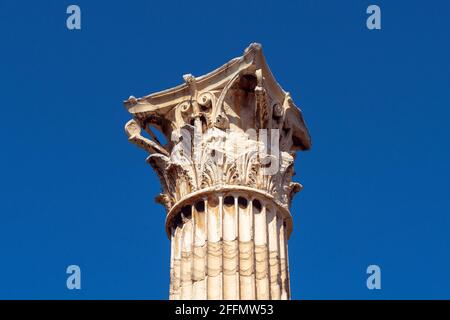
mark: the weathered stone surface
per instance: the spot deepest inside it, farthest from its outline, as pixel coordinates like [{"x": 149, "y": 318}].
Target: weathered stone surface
[{"x": 225, "y": 174}]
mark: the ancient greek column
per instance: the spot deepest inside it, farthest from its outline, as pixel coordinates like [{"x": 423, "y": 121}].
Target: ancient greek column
[{"x": 225, "y": 174}]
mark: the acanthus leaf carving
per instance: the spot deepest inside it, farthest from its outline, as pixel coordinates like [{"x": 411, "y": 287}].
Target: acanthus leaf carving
[{"x": 206, "y": 121}]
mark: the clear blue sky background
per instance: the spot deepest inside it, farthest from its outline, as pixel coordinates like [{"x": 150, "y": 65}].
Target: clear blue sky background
[{"x": 377, "y": 103}]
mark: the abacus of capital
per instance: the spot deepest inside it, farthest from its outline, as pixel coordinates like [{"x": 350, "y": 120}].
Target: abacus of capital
[{"x": 225, "y": 174}]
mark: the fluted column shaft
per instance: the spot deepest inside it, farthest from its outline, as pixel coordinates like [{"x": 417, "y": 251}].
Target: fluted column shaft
[{"x": 229, "y": 247}]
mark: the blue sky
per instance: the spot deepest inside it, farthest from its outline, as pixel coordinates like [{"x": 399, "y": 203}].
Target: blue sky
[{"x": 377, "y": 103}]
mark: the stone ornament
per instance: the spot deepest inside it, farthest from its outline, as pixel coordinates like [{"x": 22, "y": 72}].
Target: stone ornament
[{"x": 226, "y": 177}]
